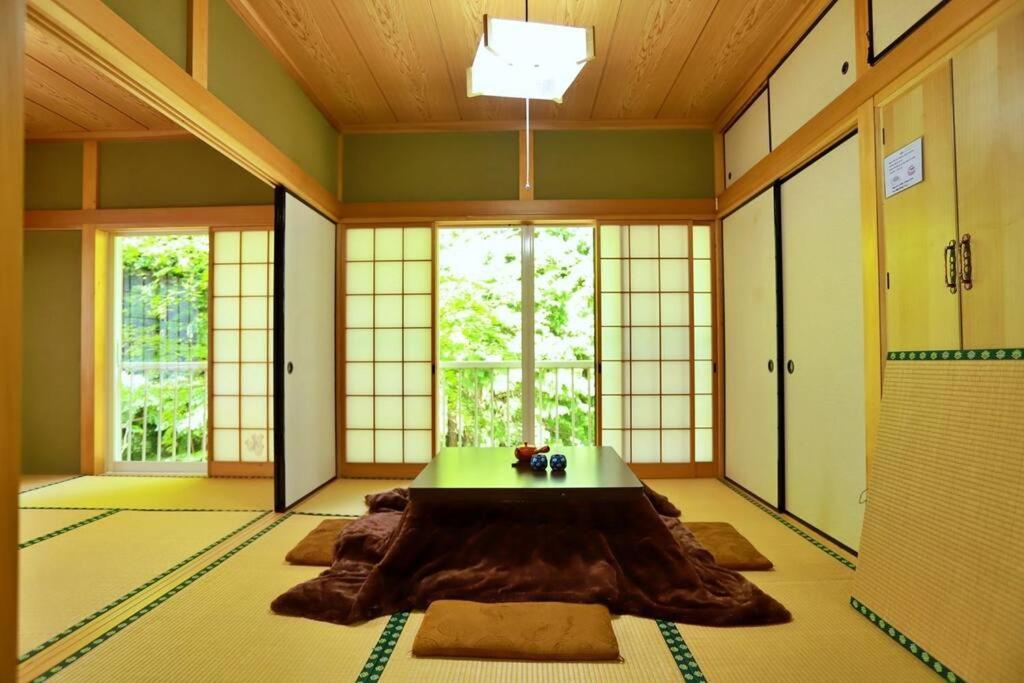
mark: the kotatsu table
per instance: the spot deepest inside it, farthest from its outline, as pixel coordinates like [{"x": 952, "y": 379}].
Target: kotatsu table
[{"x": 488, "y": 475}]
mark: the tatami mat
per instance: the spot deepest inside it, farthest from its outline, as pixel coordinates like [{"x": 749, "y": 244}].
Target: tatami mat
[
  {"x": 71, "y": 576},
  {"x": 645, "y": 658},
  {"x": 155, "y": 493},
  {"x": 221, "y": 628},
  {"x": 27, "y": 482},
  {"x": 33, "y": 524},
  {"x": 345, "y": 496}
]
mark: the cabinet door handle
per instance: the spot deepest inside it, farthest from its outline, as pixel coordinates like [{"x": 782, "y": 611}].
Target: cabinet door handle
[
  {"x": 966, "y": 263},
  {"x": 791, "y": 367},
  {"x": 771, "y": 366},
  {"x": 949, "y": 266}
]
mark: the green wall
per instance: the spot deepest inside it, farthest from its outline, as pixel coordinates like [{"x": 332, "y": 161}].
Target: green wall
[
  {"x": 51, "y": 355},
  {"x": 163, "y": 22},
  {"x": 382, "y": 167},
  {"x": 53, "y": 175},
  {"x": 624, "y": 164},
  {"x": 246, "y": 77},
  {"x": 137, "y": 174}
]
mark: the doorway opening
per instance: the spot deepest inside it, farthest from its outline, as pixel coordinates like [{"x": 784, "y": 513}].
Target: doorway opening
[
  {"x": 159, "y": 322},
  {"x": 516, "y": 335}
]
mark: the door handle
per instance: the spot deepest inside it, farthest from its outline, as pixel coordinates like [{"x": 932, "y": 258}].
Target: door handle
[
  {"x": 790, "y": 367},
  {"x": 771, "y": 366},
  {"x": 966, "y": 263},
  {"x": 949, "y": 266},
  {"x": 290, "y": 367}
]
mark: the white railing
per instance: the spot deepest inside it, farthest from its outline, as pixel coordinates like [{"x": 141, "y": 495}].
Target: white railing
[
  {"x": 162, "y": 412},
  {"x": 481, "y": 402}
]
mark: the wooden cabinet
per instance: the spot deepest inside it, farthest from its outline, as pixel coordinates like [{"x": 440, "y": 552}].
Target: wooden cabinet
[
  {"x": 892, "y": 19},
  {"x": 751, "y": 349},
  {"x": 953, "y": 244},
  {"x": 746, "y": 140},
  {"x": 988, "y": 96},
  {"x": 820, "y": 68},
  {"x": 920, "y": 222}
]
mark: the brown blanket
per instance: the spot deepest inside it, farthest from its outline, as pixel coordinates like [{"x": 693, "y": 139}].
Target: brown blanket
[{"x": 635, "y": 558}]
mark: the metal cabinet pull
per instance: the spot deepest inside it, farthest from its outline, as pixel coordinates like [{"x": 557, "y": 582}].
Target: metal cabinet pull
[
  {"x": 949, "y": 266},
  {"x": 966, "y": 265}
]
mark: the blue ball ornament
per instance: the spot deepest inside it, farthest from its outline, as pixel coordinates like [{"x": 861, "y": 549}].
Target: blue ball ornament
[
  {"x": 539, "y": 462},
  {"x": 558, "y": 462}
]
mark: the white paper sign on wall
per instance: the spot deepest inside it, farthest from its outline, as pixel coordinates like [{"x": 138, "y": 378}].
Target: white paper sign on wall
[{"x": 904, "y": 168}]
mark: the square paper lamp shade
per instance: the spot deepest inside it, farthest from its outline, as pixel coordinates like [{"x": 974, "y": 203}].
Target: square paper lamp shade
[{"x": 528, "y": 60}]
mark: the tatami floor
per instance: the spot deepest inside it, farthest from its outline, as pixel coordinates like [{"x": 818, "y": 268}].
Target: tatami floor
[{"x": 131, "y": 578}]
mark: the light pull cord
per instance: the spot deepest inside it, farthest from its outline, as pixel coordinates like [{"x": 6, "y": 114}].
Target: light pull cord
[{"x": 528, "y": 166}]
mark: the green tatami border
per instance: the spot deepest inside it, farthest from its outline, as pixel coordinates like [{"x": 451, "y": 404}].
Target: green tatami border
[
  {"x": 906, "y": 642},
  {"x": 958, "y": 354},
  {"x": 684, "y": 658},
  {"x": 64, "y": 530},
  {"x": 789, "y": 525},
  {"x": 121, "y": 509},
  {"x": 71, "y": 477},
  {"x": 382, "y": 651},
  {"x": 135, "y": 591}
]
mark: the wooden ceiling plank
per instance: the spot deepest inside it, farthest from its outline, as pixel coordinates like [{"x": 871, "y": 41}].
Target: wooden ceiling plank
[
  {"x": 579, "y": 99},
  {"x": 460, "y": 23},
  {"x": 312, "y": 36},
  {"x": 651, "y": 41},
  {"x": 55, "y": 92},
  {"x": 50, "y": 51},
  {"x": 41, "y": 121},
  {"x": 401, "y": 45},
  {"x": 735, "y": 41}
]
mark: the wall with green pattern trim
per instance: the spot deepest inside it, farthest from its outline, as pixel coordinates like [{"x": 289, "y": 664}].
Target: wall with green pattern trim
[
  {"x": 624, "y": 164},
  {"x": 389, "y": 167},
  {"x": 51, "y": 353},
  {"x": 163, "y": 22},
  {"x": 157, "y": 173},
  {"x": 53, "y": 175},
  {"x": 246, "y": 77}
]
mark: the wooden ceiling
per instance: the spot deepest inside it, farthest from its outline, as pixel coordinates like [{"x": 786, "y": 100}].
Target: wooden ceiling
[
  {"x": 395, "y": 62},
  {"x": 65, "y": 97}
]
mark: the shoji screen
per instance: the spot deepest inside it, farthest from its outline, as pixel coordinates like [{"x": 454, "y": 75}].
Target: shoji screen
[
  {"x": 241, "y": 349},
  {"x": 656, "y": 342},
  {"x": 389, "y": 284}
]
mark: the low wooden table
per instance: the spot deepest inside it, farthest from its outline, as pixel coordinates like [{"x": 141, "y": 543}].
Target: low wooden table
[{"x": 473, "y": 475}]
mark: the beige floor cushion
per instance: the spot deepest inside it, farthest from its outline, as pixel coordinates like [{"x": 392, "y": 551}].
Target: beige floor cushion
[{"x": 317, "y": 548}]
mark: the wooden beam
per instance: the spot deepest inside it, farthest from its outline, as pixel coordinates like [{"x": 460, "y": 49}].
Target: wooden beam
[
  {"x": 583, "y": 209},
  {"x": 341, "y": 167},
  {"x": 157, "y": 218},
  {"x": 199, "y": 40},
  {"x": 90, "y": 175},
  {"x": 12, "y": 150},
  {"x": 240, "y": 469},
  {"x": 952, "y": 25},
  {"x": 100, "y": 135},
  {"x": 526, "y": 178},
  {"x": 520, "y": 124},
  {"x": 119, "y": 52},
  {"x": 871, "y": 257}
]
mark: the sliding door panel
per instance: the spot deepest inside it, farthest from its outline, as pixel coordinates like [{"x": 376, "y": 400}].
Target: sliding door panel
[
  {"x": 823, "y": 308},
  {"x": 304, "y": 400},
  {"x": 751, "y": 349}
]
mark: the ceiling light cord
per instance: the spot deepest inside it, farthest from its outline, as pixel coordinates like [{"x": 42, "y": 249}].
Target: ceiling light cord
[{"x": 527, "y": 185}]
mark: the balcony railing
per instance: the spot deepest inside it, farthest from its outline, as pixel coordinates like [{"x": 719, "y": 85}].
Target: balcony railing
[
  {"x": 163, "y": 412},
  {"x": 481, "y": 403}
]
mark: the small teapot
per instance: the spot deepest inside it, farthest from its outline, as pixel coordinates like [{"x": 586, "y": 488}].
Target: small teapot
[{"x": 526, "y": 451}]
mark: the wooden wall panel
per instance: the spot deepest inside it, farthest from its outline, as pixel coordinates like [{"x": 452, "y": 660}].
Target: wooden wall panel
[{"x": 12, "y": 47}]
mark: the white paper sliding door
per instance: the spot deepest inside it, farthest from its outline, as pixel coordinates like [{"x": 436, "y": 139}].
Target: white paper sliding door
[
  {"x": 304, "y": 350},
  {"x": 751, "y": 348},
  {"x": 823, "y": 309}
]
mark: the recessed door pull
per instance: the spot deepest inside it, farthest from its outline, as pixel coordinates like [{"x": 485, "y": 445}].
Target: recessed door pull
[
  {"x": 771, "y": 366},
  {"x": 966, "y": 263},
  {"x": 790, "y": 366},
  {"x": 949, "y": 266},
  {"x": 290, "y": 367}
]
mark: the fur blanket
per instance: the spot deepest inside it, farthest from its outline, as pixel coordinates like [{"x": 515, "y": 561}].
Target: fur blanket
[{"x": 635, "y": 558}]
